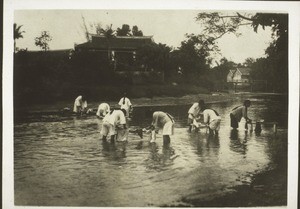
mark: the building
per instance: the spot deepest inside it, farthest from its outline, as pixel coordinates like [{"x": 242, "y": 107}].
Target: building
[
  {"x": 240, "y": 75},
  {"x": 121, "y": 50}
]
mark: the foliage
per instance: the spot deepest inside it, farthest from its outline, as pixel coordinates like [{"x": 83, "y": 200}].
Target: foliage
[
  {"x": 43, "y": 40},
  {"x": 17, "y": 34},
  {"x": 191, "y": 57},
  {"x": 108, "y": 32},
  {"x": 215, "y": 25},
  {"x": 153, "y": 56},
  {"x": 136, "y": 31},
  {"x": 124, "y": 31}
]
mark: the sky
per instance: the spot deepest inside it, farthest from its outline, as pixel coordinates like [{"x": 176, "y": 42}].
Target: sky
[{"x": 166, "y": 26}]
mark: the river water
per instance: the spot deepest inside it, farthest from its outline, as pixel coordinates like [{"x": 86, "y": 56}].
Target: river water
[{"x": 61, "y": 161}]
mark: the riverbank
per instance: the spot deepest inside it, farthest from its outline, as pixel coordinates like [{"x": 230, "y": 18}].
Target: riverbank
[
  {"x": 268, "y": 188},
  {"x": 210, "y": 98}
]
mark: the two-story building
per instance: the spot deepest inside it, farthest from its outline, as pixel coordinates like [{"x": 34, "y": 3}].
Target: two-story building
[{"x": 240, "y": 76}]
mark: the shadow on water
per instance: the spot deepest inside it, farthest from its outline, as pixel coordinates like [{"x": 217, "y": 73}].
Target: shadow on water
[{"x": 61, "y": 161}]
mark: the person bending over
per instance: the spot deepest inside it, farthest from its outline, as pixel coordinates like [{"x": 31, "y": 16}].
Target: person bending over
[
  {"x": 238, "y": 113},
  {"x": 193, "y": 113},
  {"x": 212, "y": 119},
  {"x": 103, "y": 109},
  {"x": 112, "y": 123},
  {"x": 164, "y": 122}
]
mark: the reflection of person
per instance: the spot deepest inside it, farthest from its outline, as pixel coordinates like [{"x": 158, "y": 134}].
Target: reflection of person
[
  {"x": 164, "y": 122},
  {"x": 113, "y": 122},
  {"x": 80, "y": 105},
  {"x": 103, "y": 109},
  {"x": 212, "y": 119},
  {"x": 194, "y": 112},
  {"x": 238, "y": 112},
  {"x": 125, "y": 104}
]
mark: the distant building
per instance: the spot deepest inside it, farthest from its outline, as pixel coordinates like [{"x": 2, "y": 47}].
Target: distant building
[
  {"x": 239, "y": 75},
  {"x": 121, "y": 50}
]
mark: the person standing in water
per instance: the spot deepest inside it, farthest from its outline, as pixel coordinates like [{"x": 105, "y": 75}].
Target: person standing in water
[
  {"x": 113, "y": 122},
  {"x": 238, "y": 113},
  {"x": 212, "y": 119},
  {"x": 193, "y": 113},
  {"x": 80, "y": 105},
  {"x": 164, "y": 122},
  {"x": 125, "y": 104}
]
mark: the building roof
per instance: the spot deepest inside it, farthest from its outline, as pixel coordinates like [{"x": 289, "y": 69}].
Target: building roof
[{"x": 118, "y": 42}]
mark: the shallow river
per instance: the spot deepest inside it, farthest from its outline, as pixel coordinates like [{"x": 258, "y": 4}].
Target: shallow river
[{"x": 61, "y": 161}]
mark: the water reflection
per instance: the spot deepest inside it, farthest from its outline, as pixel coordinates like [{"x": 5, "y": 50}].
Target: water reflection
[
  {"x": 238, "y": 143},
  {"x": 157, "y": 158},
  {"x": 114, "y": 151},
  {"x": 63, "y": 161}
]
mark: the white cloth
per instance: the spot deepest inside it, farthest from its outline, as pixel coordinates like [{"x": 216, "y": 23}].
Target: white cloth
[
  {"x": 107, "y": 129},
  {"x": 168, "y": 128},
  {"x": 212, "y": 119},
  {"x": 79, "y": 103},
  {"x": 125, "y": 104},
  {"x": 116, "y": 118},
  {"x": 163, "y": 121},
  {"x": 194, "y": 110},
  {"x": 103, "y": 109}
]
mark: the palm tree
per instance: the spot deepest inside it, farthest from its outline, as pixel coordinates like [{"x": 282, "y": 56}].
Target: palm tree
[{"x": 17, "y": 34}]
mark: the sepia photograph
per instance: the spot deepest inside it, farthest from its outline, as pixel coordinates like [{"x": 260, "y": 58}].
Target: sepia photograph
[{"x": 193, "y": 104}]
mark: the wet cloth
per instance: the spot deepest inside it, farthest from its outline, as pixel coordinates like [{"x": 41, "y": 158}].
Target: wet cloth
[
  {"x": 79, "y": 104},
  {"x": 103, "y": 109},
  {"x": 125, "y": 104},
  {"x": 212, "y": 118},
  {"x": 164, "y": 122}
]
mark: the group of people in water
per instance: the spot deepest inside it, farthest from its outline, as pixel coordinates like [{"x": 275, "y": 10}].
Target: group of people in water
[{"x": 115, "y": 120}]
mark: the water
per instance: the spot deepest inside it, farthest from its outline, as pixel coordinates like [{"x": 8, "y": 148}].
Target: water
[{"x": 61, "y": 161}]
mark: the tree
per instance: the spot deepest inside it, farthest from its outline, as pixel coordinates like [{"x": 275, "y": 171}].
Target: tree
[
  {"x": 136, "y": 31},
  {"x": 43, "y": 40},
  {"x": 153, "y": 56},
  {"x": 108, "y": 32},
  {"x": 17, "y": 34},
  {"x": 192, "y": 57},
  {"x": 124, "y": 31},
  {"x": 215, "y": 25},
  {"x": 249, "y": 62}
]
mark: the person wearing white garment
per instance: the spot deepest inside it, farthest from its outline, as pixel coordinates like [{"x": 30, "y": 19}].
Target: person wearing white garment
[
  {"x": 103, "y": 109},
  {"x": 193, "y": 113},
  {"x": 113, "y": 123},
  {"x": 212, "y": 119},
  {"x": 80, "y": 105},
  {"x": 164, "y": 122},
  {"x": 125, "y": 104}
]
